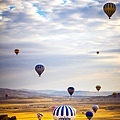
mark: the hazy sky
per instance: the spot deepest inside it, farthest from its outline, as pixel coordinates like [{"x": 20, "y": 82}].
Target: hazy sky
[{"x": 64, "y": 36}]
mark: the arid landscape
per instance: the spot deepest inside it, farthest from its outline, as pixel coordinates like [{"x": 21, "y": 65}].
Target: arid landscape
[
  {"x": 63, "y": 53},
  {"x": 27, "y": 108}
]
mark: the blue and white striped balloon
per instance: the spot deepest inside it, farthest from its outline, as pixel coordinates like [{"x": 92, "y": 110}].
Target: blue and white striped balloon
[{"x": 64, "y": 111}]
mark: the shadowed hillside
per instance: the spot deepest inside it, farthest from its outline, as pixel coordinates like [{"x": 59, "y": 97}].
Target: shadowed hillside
[{"x": 17, "y": 93}]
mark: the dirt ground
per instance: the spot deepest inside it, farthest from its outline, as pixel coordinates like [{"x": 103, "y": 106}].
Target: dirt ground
[{"x": 27, "y": 108}]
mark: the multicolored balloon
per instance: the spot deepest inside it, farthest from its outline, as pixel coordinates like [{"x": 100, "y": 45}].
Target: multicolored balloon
[
  {"x": 98, "y": 87},
  {"x": 89, "y": 115},
  {"x": 39, "y": 69},
  {"x": 109, "y": 9},
  {"x": 71, "y": 90},
  {"x": 16, "y": 51}
]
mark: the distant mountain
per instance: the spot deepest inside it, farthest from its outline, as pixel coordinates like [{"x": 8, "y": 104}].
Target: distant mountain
[
  {"x": 76, "y": 93},
  {"x": 47, "y": 93},
  {"x": 18, "y": 93}
]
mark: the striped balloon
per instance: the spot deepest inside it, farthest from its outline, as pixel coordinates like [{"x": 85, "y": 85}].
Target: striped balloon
[
  {"x": 64, "y": 111},
  {"x": 109, "y": 9}
]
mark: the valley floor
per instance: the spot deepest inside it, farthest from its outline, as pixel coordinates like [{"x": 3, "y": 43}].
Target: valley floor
[{"x": 27, "y": 108}]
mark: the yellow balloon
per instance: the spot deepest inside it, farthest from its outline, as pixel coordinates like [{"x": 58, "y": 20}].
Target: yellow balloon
[{"x": 109, "y": 9}]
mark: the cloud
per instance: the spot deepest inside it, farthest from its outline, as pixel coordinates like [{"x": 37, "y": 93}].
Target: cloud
[{"x": 63, "y": 35}]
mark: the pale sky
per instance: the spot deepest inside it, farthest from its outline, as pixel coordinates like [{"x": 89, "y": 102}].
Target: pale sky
[{"x": 62, "y": 35}]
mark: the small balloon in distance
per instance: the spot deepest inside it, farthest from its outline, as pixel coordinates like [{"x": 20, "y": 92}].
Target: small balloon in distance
[
  {"x": 53, "y": 108},
  {"x": 71, "y": 90},
  {"x": 95, "y": 108},
  {"x": 6, "y": 95},
  {"x": 98, "y": 87},
  {"x": 97, "y": 52},
  {"x": 39, "y": 116},
  {"x": 115, "y": 94},
  {"x": 16, "y": 51},
  {"x": 39, "y": 69}
]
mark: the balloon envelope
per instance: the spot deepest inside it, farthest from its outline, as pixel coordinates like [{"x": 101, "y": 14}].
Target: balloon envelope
[
  {"x": 64, "y": 112},
  {"x": 89, "y": 115},
  {"x": 97, "y": 52},
  {"x": 6, "y": 95},
  {"x": 95, "y": 108},
  {"x": 16, "y": 51},
  {"x": 109, "y": 9},
  {"x": 53, "y": 108},
  {"x": 71, "y": 90},
  {"x": 39, "y": 115},
  {"x": 39, "y": 69},
  {"x": 98, "y": 87},
  {"x": 114, "y": 94}
]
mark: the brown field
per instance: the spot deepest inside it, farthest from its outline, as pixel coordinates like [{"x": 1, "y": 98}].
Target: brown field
[{"x": 27, "y": 108}]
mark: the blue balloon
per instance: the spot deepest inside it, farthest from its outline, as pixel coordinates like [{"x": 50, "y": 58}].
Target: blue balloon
[
  {"x": 39, "y": 69},
  {"x": 89, "y": 115},
  {"x": 71, "y": 90}
]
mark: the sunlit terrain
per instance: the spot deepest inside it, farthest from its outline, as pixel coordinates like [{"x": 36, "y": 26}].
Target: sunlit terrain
[{"x": 27, "y": 108}]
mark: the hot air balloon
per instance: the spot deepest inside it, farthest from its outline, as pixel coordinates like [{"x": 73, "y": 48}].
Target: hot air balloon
[
  {"x": 71, "y": 90},
  {"x": 64, "y": 112},
  {"x": 39, "y": 115},
  {"x": 16, "y": 51},
  {"x": 114, "y": 94},
  {"x": 6, "y": 95},
  {"x": 98, "y": 87},
  {"x": 53, "y": 108},
  {"x": 97, "y": 52},
  {"x": 39, "y": 69},
  {"x": 109, "y": 9},
  {"x": 95, "y": 108},
  {"x": 89, "y": 115}
]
